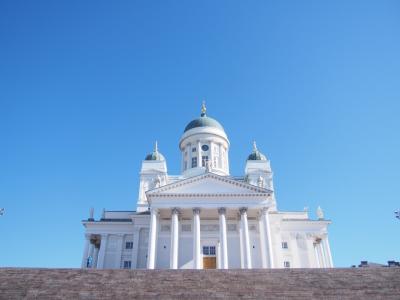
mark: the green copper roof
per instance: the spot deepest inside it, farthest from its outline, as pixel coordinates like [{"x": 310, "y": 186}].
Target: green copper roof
[
  {"x": 155, "y": 155},
  {"x": 256, "y": 155},
  {"x": 203, "y": 121}
]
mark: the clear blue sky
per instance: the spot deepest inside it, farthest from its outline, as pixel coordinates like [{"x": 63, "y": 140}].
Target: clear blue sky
[{"x": 87, "y": 86}]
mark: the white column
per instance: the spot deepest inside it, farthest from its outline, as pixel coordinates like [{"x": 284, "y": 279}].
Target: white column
[
  {"x": 227, "y": 160},
  {"x": 263, "y": 243},
  {"x": 322, "y": 253},
  {"x": 319, "y": 254},
  {"x": 241, "y": 242},
  {"x": 220, "y": 156},
  {"x": 151, "y": 254},
  {"x": 85, "y": 251},
  {"x": 90, "y": 253},
  {"x": 267, "y": 237},
  {"x": 196, "y": 239},
  {"x": 199, "y": 162},
  {"x": 102, "y": 251},
  {"x": 189, "y": 156},
  {"x": 174, "y": 238},
  {"x": 95, "y": 257},
  {"x": 327, "y": 249},
  {"x": 317, "y": 258},
  {"x": 120, "y": 245},
  {"x": 211, "y": 158},
  {"x": 223, "y": 238},
  {"x": 218, "y": 250},
  {"x": 246, "y": 238}
]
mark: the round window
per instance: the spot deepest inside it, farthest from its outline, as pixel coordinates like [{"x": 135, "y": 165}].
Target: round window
[{"x": 204, "y": 147}]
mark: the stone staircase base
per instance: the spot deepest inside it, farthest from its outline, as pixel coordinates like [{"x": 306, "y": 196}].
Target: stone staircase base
[{"x": 363, "y": 283}]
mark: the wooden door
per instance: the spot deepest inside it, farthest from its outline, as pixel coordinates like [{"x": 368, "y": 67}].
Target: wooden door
[{"x": 209, "y": 262}]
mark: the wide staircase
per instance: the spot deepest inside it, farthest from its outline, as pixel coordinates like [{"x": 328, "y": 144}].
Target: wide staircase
[{"x": 362, "y": 283}]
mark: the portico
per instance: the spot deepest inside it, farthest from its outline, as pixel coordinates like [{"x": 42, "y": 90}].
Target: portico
[{"x": 207, "y": 227}]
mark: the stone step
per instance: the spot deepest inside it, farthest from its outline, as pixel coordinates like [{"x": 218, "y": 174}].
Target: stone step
[{"x": 363, "y": 283}]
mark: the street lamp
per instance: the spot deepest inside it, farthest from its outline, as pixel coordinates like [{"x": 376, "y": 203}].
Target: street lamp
[
  {"x": 397, "y": 214},
  {"x": 1, "y": 211}
]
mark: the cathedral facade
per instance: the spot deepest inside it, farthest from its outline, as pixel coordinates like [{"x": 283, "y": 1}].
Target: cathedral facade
[{"x": 206, "y": 218}]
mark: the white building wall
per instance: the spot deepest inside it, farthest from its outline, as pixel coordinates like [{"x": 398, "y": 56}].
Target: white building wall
[
  {"x": 185, "y": 255},
  {"x": 163, "y": 251},
  {"x": 234, "y": 251},
  {"x": 142, "y": 248},
  {"x": 112, "y": 259}
]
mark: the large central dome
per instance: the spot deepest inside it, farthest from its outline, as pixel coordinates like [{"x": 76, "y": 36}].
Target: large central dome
[{"x": 203, "y": 121}]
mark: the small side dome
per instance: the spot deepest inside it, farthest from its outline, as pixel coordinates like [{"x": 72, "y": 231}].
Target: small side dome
[
  {"x": 203, "y": 121},
  {"x": 155, "y": 155},
  {"x": 256, "y": 155}
]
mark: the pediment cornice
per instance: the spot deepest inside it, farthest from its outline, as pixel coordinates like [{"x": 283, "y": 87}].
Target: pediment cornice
[{"x": 168, "y": 190}]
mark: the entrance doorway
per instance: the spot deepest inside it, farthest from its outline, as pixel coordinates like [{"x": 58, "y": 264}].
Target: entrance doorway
[{"x": 209, "y": 257}]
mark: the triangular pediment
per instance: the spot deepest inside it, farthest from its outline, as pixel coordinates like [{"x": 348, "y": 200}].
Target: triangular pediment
[{"x": 209, "y": 183}]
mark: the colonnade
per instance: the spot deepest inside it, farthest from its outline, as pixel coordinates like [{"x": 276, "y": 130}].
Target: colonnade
[
  {"x": 91, "y": 251},
  {"x": 266, "y": 246},
  {"x": 323, "y": 252}
]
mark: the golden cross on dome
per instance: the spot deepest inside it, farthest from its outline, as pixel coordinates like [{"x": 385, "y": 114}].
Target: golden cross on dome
[
  {"x": 203, "y": 108},
  {"x": 254, "y": 146}
]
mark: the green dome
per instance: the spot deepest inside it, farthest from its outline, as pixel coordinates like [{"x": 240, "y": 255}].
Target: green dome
[
  {"x": 256, "y": 155},
  {"x": 203, "y": 121},
  {"x": 155, "y": 155}
]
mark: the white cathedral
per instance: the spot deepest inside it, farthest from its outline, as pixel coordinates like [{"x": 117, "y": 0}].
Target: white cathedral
[{"x": 206, "y": 218}]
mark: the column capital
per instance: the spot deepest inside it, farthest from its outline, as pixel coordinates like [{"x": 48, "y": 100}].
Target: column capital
[
  {"x": 153, "y": 210},
  {"x": 264, "y": 210},
  {"x": 243, "y": 210},
  {"x": 222, "y": 210},
  {"x": 196, "y": 210},
  {"x": 175, "y": 211}
]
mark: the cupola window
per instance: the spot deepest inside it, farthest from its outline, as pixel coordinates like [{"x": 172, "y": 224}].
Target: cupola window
[{"x": 194, "y": 162}]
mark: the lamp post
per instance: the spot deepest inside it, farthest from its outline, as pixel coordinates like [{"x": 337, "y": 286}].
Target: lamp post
[
  {"x": 1, "y": 211},
  {"x": 397, "y": 214}
]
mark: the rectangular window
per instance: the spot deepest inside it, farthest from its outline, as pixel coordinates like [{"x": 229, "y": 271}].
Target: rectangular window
[
  {"x": 127, "y": 264},
  {"x": 128, "y": 245},
  {"x": 208, "y": 250},
  {"x": 204, "y": 160},
  {"x": 194, "y": 162},
  {"x": 284, "y": 245},
  {"x": 212, "y": 250},
  {"x": 194, "y": 149},
  {"x": 286, "y": 264}
]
